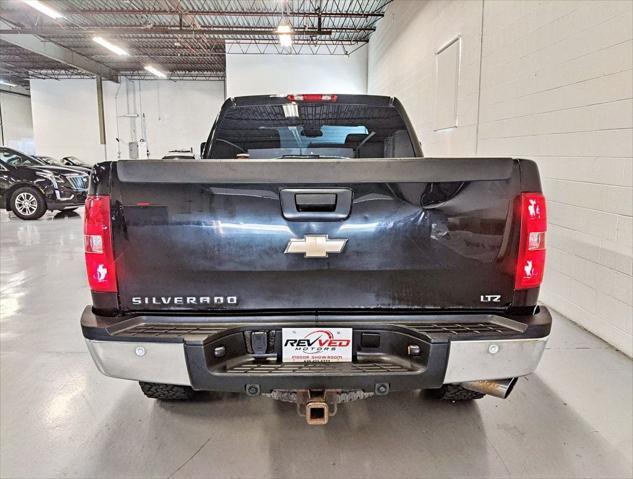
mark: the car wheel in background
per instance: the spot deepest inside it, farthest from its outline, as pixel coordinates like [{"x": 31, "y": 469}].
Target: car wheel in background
[{"x": 28, "y": 203}]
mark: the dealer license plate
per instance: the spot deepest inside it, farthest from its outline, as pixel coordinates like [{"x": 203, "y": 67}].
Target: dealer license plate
[{"x": 316, "y": 345}]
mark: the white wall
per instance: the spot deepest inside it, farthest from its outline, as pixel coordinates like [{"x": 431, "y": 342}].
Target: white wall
[
  {"x": 278, "y": 74},
  {"x": 556, "y": 86},
  {"x": 402, "y": 64},
  {"x": 168, "y": 115},
  {"x": 171, "y": 115},
  {"x": 16, "y": 120},
  {"x": 65, "y": 119}
]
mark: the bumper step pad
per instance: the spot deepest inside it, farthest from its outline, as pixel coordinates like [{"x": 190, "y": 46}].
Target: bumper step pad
[{"x": 360, "y": 367}]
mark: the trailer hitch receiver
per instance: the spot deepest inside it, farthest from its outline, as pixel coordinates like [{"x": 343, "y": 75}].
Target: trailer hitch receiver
[{"x": 317, "y": 405}]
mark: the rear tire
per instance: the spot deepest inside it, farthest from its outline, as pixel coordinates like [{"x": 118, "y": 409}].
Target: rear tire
[
  {"x": 454, "y": 392},
  {"x": 167, "y": 392},
  {"x": 27, "y": 203}
]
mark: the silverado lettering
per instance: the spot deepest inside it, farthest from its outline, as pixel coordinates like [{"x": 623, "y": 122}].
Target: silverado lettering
[{"x": 189, "y": 300}]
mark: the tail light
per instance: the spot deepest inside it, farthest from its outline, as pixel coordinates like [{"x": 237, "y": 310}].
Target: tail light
[
  {"x": 531, "y": 257},
  {"x": 98, "y": 245},
  {"x": 311, "y": 97}
]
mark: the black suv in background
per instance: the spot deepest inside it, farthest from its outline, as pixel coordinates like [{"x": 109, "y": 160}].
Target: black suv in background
[
  {"x": 29, "y": 186},
  {"x": 74, "y": 161},
  {"x": 49, "y": 160}
]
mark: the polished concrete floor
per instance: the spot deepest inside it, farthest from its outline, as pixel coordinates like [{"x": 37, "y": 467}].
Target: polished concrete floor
[{"x": 61, "y": 418}]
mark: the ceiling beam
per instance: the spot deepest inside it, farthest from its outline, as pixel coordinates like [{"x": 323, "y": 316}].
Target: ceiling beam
[
  {"x": 56, "y": 52},
  {"x": 16, "y": 90},
  {"x": 170, "y": 30},
  {"x": 221, "y": 13},
  {"x": 94, "y": 50}
]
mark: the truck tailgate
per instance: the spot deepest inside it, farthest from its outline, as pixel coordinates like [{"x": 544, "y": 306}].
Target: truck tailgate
[{"x": 314, "y": 234}]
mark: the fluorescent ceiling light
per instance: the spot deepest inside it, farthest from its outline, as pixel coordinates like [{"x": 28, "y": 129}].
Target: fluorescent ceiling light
[
  {"x": 290, "y": 110},
  {"x": 285, "y": 40},
  {"x": 6, "y": 83},
  {"x": 155, "y": 71},
  {"x": 285, "y": 31},
  {"x": 110, "y": 46},
  {"x": 45, "y": 9},
  {"x": 284, "y": 28}
]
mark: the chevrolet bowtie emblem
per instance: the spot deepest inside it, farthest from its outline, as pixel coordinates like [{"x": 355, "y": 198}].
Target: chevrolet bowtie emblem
[{"x": 315, "y": 246}]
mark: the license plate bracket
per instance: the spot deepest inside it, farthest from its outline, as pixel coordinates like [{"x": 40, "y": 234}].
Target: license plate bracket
[{"x": 316, "y": 345}]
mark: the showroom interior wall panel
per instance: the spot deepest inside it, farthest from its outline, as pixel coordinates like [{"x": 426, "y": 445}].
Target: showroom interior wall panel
[
  {"x": 255, "y": 74},
  {"x": 171, "y": 115},
  {"x": 65, "y": 119},
  {"x": 556, "y": 86},
  {"x": 402, "y": 63},
  {"x": 17, "y": 122}
]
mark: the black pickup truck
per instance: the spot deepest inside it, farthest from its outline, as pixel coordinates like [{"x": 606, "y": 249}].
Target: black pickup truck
[{"x": 315, "y": 256}]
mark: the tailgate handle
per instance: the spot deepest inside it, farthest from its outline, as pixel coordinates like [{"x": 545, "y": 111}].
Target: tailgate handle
[
  {"x": 315, "y": 201},
  {"x": 316, "y": 204}
]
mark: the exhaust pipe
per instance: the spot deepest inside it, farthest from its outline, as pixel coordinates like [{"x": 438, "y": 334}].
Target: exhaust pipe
[{"x": 500, "y": 388}]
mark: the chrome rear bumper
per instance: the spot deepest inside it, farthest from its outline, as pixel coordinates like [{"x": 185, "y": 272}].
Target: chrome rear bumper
[
  {"x": 506, "y": 358},
  {"x": 467, "y": 360},
  {"x": 141, "y": 361}
]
